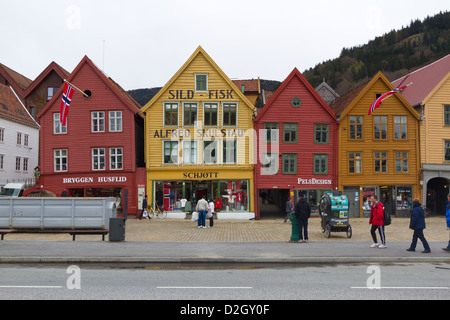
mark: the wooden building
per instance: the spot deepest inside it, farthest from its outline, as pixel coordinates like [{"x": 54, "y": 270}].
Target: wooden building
[
  {"x": 100, "y": 150},
  {"x": 297, "y": 147},
  {"x": 429, "y": 95},
  {"x": 378, "y": 153},
  {"x": 198, "y": 137}
]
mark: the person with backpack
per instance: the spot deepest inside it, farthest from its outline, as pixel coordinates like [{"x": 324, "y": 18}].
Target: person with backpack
[
  {"x": 377, "y": 222},
  {"x": 417, "y": 224}
]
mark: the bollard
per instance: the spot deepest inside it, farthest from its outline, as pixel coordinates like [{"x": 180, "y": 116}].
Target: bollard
[{"x": 294, "y": 235}]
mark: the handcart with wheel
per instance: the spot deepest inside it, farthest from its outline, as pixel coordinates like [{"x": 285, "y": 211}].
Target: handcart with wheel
[{"x": 333, "y": 210}]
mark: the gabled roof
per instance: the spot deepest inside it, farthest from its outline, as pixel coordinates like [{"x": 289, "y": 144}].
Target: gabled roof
[
  {"x": 19, "y": 82},
  {"x": 198, "y": 51},
  {"x": 53, "y": 66},
  {"x": 424, "y": 80},
  {"x": 11, "y": 108},
  {"x": 295, "y": 73},
  {"x": 113, "y": 86},
  {"x": 343, "y": 105},
  {"x": 251, "y": 85}
]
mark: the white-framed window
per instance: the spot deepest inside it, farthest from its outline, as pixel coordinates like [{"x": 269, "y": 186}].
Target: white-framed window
[
  {"x": 201, "y": 82},
  {"x": 98, "y": 159},
  {"x": 229, "y": 151},
  {"x": 2, "y": 135},
  {"x": 26, "y": 139},
  {"x": 210, "y": 152},
  {"x": 210, "y": 114},
  {"x": 18, "y": 161},
  {"x": 170, "y": 152},
  {"x": 229, "y": 114},
  {"x": 190, "y": 113},
  {"x": 116, "y": 158},
  {"x": 170, "y": 114},
  {"x": 25, "y": 165},
  {"x": 58, "y": 128},
  {"x": 115, "y": 121},
  {"x": 98, "y": 121},
  {"x": 2, "y": 157},
  {"x": 190, "y": 152},
  {"x": 60, "y": 156},
  {"x": 19, "y": 138}
]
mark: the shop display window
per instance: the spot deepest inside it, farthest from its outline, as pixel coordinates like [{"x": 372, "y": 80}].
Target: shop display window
[{"x": 404, "y": 197}]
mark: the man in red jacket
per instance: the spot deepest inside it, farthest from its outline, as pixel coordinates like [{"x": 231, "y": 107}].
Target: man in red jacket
[{"x": 377, "y": 222}]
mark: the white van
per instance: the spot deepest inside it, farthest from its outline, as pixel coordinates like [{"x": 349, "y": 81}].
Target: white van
[{"x": 12, "y": 190}]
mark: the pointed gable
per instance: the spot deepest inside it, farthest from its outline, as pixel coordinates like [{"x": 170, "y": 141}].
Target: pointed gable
[
  {"x": 19, "y": 82},
  {"x": 11, "y": 108}
]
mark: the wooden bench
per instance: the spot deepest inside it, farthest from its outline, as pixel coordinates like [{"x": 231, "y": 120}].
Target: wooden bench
[{"x": 73, "y": 233}]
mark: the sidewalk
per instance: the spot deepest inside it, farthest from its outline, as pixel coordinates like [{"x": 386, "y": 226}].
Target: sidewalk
[{"x": 160, "y": 241}]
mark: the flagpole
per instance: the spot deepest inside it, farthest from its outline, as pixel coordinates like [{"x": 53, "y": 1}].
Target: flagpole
[{"x": 84, "y": 94}]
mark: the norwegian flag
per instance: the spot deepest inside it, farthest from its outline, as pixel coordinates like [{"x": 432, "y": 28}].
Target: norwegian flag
[
  {"x": 65, "y": 102},
  {"x": 377, "y": 102}
]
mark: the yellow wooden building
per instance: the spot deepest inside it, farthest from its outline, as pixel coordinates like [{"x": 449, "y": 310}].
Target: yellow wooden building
[
  {"x": 199, "y": 142},
  {"x": 378, "y": 153}
]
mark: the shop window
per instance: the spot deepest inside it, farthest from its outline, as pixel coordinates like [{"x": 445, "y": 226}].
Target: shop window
[
  {"x": 58, "y": 128},
  {"x": 229, "y": 148},
  {"x": 404, "y": 197},
  {"x": 380, "y": 162},
  {"x": 190, "y": 151},
  {"x": 271, "y": 132},
  {"x": 98, "y": 121},
  {"x": 115, "y": 121},
  {"x": 321, "y": 133},
  {"x": 171, "y": 114},
  {"x": 116, "y": 158},
  {"x": 367, "y": 193},
  {"x": 60, "y": 160},
  {"x": 356, "y": 127},
  {"x": 189, "y": 114},
  {"x": 170, "y": 152},
  {"x": 354, "y": 162},
  {"x": 229, "y": 114},
  {"x": 290, "y": 132},
  {"x": 210, "y": 114},
  {"x": 401, "y": 162},
  {"x": 380, "y": 127},
  {"x": 201, "y": 82},
  {"x": 210, "y": 153},
  {"x": 289, "y": 163},
  {"x": 401, "y": 127},
  {"x": 98, "y": 159},
  {"x": 320, "y": 164}
]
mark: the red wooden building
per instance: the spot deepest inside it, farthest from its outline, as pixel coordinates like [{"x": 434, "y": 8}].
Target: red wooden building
[
  {"x": 99, "y": 153},
  {"x": 297, "y": 151}
]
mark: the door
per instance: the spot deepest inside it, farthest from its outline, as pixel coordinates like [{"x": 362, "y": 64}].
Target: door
[
  {"x": 387, "y": 198},
  {"x": 353, "y": 197}
]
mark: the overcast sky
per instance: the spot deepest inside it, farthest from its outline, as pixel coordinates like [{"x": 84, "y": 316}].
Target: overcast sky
[{"x": 142, "y": 43}]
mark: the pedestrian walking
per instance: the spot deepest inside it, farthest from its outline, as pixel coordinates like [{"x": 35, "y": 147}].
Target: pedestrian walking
[
  {"x": 302, "y": 213},
  {"x": 377, "y": 222},
  {"x": 202, "y": 208},
  {"x": 447, "y": 217},
  {"x": 144, "y": 208},
  {"x": 289, "y": 209},
  {"x": 417, "y": 223},
  {"x": 211, "y": 206}
]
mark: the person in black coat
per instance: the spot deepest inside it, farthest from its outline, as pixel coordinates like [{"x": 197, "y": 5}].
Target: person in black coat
[
  {"x": 417, "y": 224},
  {"x": 302, "y": 214}
]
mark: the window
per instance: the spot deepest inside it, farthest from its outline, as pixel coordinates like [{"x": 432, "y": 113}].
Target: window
[
  {"x": 447, "y": 115},
  {"x": 51, "y": 92},
  {"x": 58, "y": 128},
  {"x": 380, "y": 162},
  {"x": 296, "y": 102},
  {"x": 25, "y": 165},
  {"x": 271, "y": 132},
  {"x": 2, "y": 156},
  {"x": 210, "y": 154},
  {"x": 201, "y": 82},
  {"x": 401, "y": 162},
  {"x": 321, "y": 133},
  {"x": 189, "y": 114},
  {"x": 289, "y": 163},
  {"x": 18, "y": 160},
  {"x": 115, "y": 121},
  {"x": 447, "y": 150},
  {"x": 380, "y": 127},
  {"x": 356, "y": 127},
  {"x": 116, "y": 158},
  {"x": 354, "y": 162},
  {"x": 290, "y": 132},
  {"x": 229, "y": 114},
  {"x": 269, "y": 164},
  {"x": 320, "y": 164},
  {"x": 401, "y": 127},
  {"x": 98, "y": 159},
  {"x": 2, "y": 135},
  {"x": 190, "y": 152},
  {"x": 26, "y": 139},
  {"x": 171, "y": 114},
  {"x": 98, "y": 121},
  {"x": 19, "y": 138},
  {"x": 60, "y": 157},
  {"x": 229, "y": 151},
  {"x": 210, "y": 116},
  {"x": 170, "y": 152}
]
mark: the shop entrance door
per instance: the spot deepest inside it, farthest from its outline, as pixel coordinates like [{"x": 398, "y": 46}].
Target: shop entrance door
[
  {"x": 387, "y": 198},
  {"x": 353, "y": 197}
]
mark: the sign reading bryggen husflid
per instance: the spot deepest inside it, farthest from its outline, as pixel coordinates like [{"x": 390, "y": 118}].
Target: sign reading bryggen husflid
[{"x": 199, "y": 141}]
